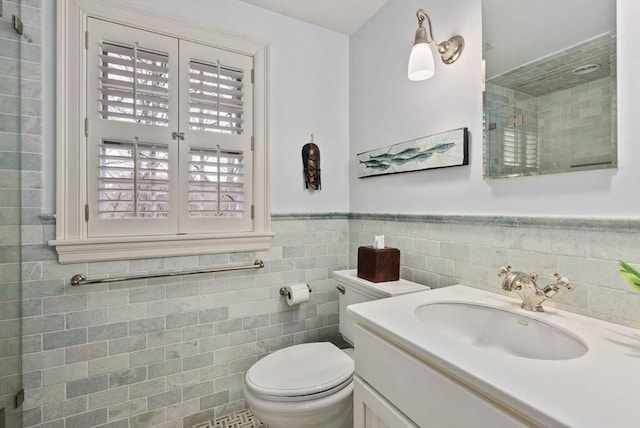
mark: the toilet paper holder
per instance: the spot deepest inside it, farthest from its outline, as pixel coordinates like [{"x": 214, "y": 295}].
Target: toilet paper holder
[{"x": 284, "y": 292}]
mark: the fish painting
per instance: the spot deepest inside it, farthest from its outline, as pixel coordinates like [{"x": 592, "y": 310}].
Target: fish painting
[{"x": 436, "y": 151}]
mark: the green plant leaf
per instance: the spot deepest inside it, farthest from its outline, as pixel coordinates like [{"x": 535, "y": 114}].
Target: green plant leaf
[
  {"x": 631, "y": 279},
  {"x": 629, "y": 268},
  {"x": 629, "y": 274}
]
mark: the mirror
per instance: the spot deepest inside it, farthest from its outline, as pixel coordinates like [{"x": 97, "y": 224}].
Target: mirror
[{"x": 550, "y": 86}]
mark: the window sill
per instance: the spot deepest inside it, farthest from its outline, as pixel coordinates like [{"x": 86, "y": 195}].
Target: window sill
[{"x": 108, "y": 249}]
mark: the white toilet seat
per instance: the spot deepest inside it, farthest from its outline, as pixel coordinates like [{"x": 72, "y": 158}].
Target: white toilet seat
[
  {"x": 293, "y": 399},
  {"x": 302, "y": 372}
]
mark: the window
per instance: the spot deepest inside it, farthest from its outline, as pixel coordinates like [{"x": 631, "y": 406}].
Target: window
[{"x": 171, "y": 148}]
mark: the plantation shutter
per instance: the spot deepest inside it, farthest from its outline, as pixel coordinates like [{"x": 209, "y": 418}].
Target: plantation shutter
[
  {"x": 520, "y": 149},
  {"x": 216, "y": 97},
  {"x": 216, "y": 183},
  {"x": 216, "y": 161},
  {"x": 519, "y": 144},
  {"x": 134, "y": 180},
  {"x": 132, "y": 109},
  {"x": 134, "y": 84}
]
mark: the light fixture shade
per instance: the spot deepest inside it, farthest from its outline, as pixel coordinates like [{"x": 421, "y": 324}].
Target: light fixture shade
[{"x": 421, "y": 65}]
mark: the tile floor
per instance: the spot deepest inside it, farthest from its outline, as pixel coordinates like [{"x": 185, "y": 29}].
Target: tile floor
[{"x": 240, "y": 419}]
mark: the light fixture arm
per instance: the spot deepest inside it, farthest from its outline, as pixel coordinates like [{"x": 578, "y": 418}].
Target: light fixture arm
[
  {"x": 425, "y": 37},
  {"x": 449, "y": 50}
]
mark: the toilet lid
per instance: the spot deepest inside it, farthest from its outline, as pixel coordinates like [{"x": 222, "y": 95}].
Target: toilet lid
[{"x": 305, "y": 369}]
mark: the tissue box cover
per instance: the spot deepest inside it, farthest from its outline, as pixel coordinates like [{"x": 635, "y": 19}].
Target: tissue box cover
[{"x": 379, "y": 265}]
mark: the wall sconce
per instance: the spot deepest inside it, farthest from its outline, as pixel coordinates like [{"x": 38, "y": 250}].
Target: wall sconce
[{"x": 421, "y": 65}]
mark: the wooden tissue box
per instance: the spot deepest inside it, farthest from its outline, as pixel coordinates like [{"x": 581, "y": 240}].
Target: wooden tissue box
[{"x": 379, "y": 265}]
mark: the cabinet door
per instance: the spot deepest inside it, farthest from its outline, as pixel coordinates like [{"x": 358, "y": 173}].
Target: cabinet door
[
  {"x": 425, "y": 394},
  {"x": 371, "y": 410}
]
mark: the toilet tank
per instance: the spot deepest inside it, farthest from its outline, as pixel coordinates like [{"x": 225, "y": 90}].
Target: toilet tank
[{"x": 358, "y": 290}]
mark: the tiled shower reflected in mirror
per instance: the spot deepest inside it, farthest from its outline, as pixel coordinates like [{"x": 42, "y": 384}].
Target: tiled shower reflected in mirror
[{"x": 555, "y": 114}]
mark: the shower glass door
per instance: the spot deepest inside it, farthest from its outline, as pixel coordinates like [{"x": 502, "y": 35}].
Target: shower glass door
[{"x": 10, "y": 216}]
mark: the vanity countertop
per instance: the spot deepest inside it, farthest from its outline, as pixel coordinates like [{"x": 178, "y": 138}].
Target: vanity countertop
[{"x": 598, "y": 389}]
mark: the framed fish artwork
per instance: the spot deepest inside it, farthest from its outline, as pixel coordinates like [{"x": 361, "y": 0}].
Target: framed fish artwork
[{"x": 443, "y": 150}]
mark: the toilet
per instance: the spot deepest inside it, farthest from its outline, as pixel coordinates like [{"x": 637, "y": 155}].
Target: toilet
[{"x": 311, "y": 384}]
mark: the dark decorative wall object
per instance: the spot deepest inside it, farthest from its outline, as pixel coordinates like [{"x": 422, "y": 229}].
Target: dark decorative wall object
[{"x": 311, "y": 166}]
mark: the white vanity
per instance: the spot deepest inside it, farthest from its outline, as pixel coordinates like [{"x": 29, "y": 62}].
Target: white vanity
[{"x": 463, "y": 357}]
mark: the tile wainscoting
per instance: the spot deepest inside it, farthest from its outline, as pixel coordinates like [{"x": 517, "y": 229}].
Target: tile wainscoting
[
  {"x": 445, "y": 250},
  {"x": 173, "y": 352}
]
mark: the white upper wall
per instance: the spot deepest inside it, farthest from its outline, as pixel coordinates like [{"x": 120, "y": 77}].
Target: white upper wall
[
  {"x": 354, "y": 96},
  {"x": 386, "y": 108}
]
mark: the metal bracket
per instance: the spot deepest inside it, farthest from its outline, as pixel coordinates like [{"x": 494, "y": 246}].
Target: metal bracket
[
  {"x": 19, "y": 398},
  {"x": 514, "y": 121},
  {"x": 177, "y": 135},
  {"x": 17, "y": 25}
]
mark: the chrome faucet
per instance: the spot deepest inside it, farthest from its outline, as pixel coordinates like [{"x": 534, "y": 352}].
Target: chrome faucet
[{"x": 525, "y": 284}]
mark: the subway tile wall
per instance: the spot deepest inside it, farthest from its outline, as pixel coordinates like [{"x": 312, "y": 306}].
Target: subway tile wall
[
  {"x": 169, "y": 352},
  {"x": 577, "y": 119},
  {"x": 440, "y": 254}
]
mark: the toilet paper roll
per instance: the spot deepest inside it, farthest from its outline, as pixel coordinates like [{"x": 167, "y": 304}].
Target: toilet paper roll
[{"x": 297, "y": 293}]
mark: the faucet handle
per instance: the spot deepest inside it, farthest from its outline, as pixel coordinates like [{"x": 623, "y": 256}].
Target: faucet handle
[
  {"x": 504, "y": 270},
  {"x": 562, "y": 280}
]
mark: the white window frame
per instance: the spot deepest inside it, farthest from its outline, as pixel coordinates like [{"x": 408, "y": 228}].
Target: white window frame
[{"x": 72, "y": 242}]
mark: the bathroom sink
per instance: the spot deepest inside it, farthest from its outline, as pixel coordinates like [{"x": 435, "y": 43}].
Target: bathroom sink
[
  {"x": 500, "y": 330},
  {"x": 519, "y": 360}
]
